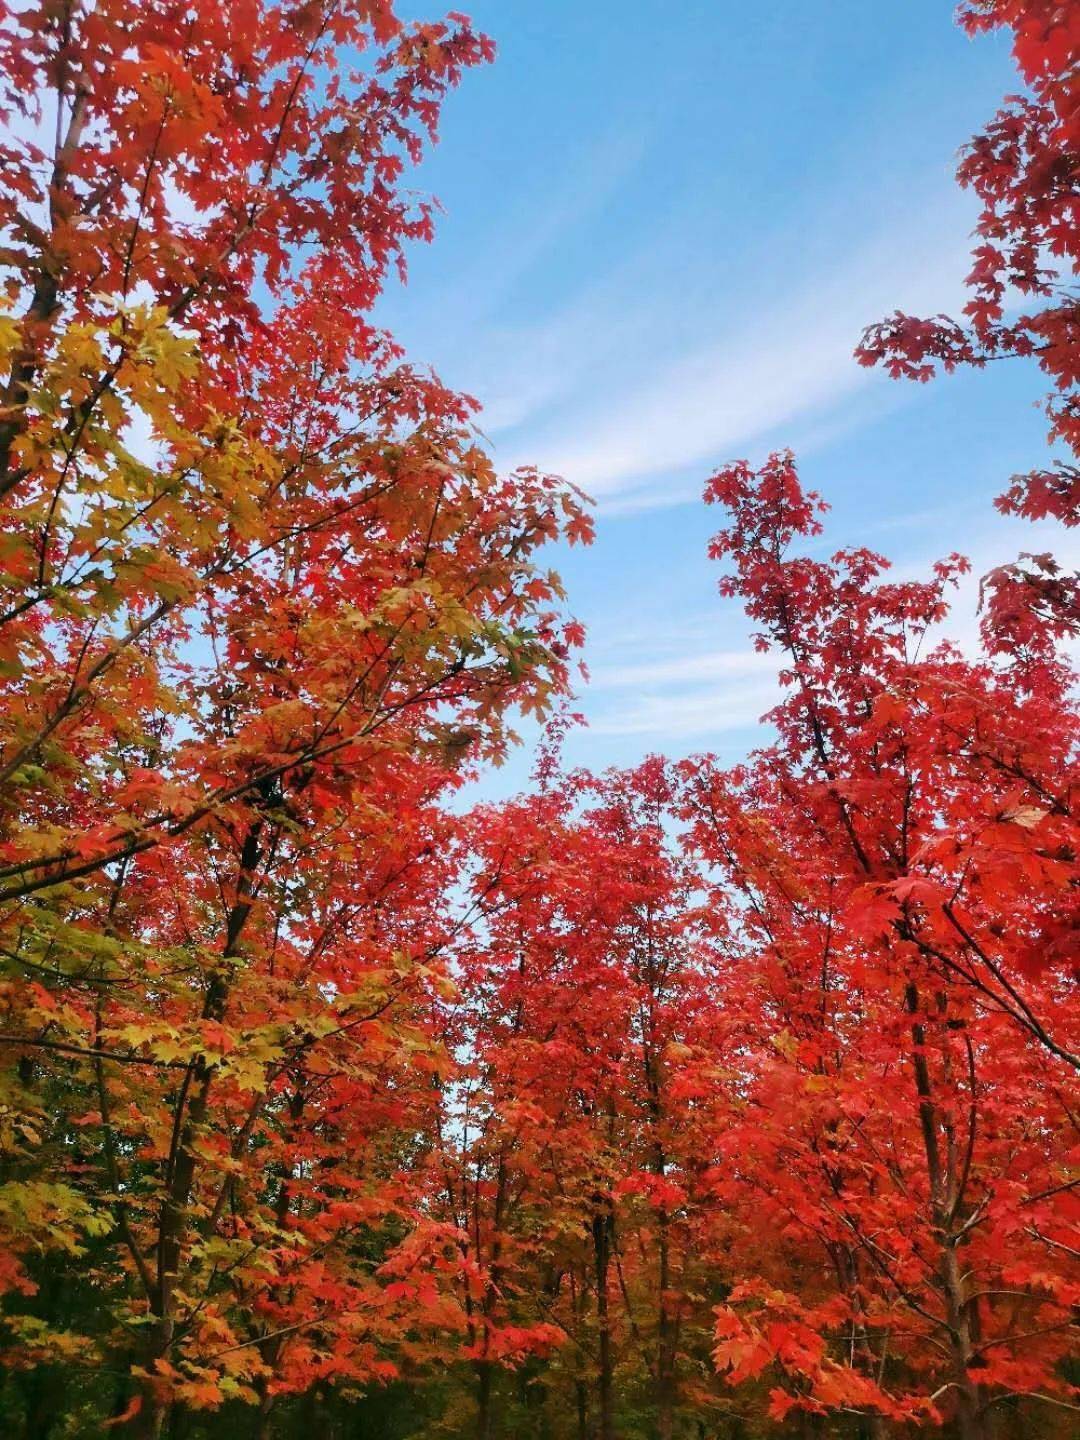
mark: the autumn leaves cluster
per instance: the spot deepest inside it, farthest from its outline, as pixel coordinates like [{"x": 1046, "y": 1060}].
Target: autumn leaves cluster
[{"x": 692, "y": 1100}]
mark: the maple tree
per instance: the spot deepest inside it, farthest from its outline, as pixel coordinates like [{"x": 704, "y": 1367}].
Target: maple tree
[
  {"x": 904, "y": 856},
  {"x": 583, "y": 989},
  {"x": 1023, "y": 168},
  {"x": 264, "y": 597}
]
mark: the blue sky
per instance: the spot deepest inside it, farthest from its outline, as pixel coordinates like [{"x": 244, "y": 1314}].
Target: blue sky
[{"x": 665, "y": 226}]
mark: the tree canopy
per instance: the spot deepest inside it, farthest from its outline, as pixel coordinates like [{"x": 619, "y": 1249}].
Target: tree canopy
[{"x": 684, "y": 1101}]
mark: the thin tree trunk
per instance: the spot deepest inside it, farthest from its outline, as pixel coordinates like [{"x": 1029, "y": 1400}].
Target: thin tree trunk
[
  {"x": 601, "y": 1231},
  {"x": 191, "y": 1116},
  {"x": 665, "y": 1339},
  {"x": 582, "y": 1397},
  {"x": 485, "y": 1418},
  {"x": 972, "y": 1421}
]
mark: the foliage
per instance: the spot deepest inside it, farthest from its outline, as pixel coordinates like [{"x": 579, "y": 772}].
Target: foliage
[
  {"x": 682, "y": 1102},
  {"x": 265, "y": 596},
  {"x": 1024, "y": 171}
]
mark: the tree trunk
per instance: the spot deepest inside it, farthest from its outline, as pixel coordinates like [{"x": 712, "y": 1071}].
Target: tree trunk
[
  {"x": 485, "y": 1419},
  {"x": 39, "y": 1397},
  {"x": 582, "y": 1397},
  {"x": 191, "y": 1116},
  {"x": 665, "y": 1340},
  {"x": 972, "y": 1421},
  {"x": 872, "y": 1427},
  {"x": 601, "y": 1231}
]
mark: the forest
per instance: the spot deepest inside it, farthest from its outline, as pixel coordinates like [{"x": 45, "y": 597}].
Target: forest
[{"x": 689, "y": 1101}]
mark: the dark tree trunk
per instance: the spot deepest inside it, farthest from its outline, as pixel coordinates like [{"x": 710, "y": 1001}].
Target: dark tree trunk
[
  {"x": 601, "y": 1231},
  {"x": 485, "y": 1419},
  {"x": 582, "y": 1396},
  {"x": 665, "y": 1341}
]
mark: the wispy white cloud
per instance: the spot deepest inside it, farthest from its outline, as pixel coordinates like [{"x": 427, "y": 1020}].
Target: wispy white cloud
[
  {"x": 626, "y": 355},
  {"x": 688, "y": 692},
  {"x": 653, "y": 681},
  {"x": 682, "y": 715},
  {"x": 695, "y": 667},
  {"x": 457, "y": 316},
  {"x": 790, "y": 364}
]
